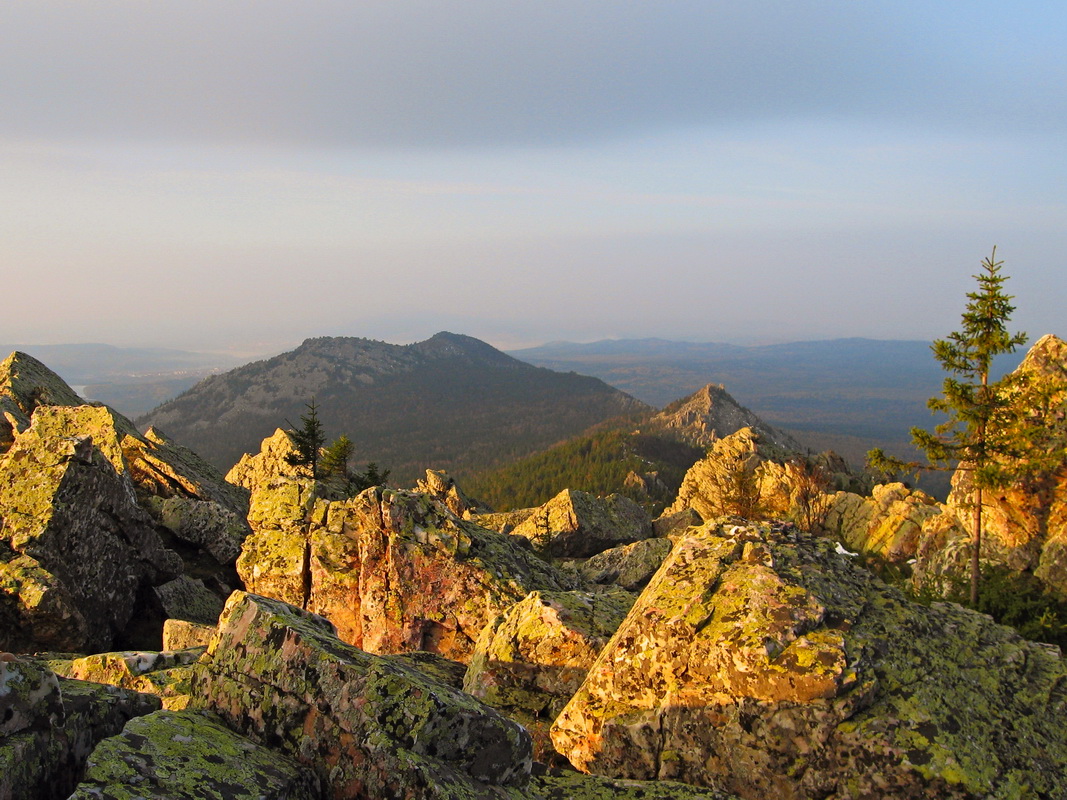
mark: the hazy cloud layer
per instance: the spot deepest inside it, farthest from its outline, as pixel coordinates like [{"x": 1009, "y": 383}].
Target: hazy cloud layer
[
  {"x": 484, "y": 72},
  {"x": 205, "y": 173}
]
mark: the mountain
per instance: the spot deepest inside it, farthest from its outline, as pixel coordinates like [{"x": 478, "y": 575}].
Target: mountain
[
  {"x": 644, "y": 458},
  {"x": 451, "y": 402}
]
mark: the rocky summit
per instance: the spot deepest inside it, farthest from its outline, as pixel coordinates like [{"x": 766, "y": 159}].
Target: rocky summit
[{"x": 309, "y": 643}]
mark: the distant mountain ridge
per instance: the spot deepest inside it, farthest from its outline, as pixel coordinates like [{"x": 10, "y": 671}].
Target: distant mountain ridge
[{"x": 450, "y": 402}]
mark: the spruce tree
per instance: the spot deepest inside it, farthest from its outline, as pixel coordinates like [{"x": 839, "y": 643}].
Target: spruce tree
[
  {"x": 308, "y": 441},
  {"x": 977, "y": 436}
]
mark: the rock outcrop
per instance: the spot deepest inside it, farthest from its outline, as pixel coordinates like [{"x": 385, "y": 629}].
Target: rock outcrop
[
  {"x": 748, "y": 474},
  {"x": 395, "y": 571},
  {"x": 576, "y": 524},
  {"x": 630, "y": 566},
  {"x": 889, "y": 523},
  {"x": 760, "y": 661},
  {"x": 367, "y": 726},
  {"x": 75, "y": 547},
  {"x": 149, "y": 488}
]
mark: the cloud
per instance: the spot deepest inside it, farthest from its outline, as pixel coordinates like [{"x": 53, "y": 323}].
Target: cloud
[{"x": 389, "y": 73}]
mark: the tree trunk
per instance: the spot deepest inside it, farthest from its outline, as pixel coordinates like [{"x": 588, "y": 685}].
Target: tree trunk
[{"x": 976, "y": 546}]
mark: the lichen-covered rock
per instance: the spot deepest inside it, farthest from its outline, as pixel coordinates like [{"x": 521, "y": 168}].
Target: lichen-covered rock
[
  {"x": 500, "y": 521},
  {"x": 889, "y": 523},
  {"x": 395, "y": 571},
  {"x": 188, "y": 755},
  {"x": 75, "y": 548},
  {"x": 437, "y": 668},
  {"x": 178, "y": 489},
  {"x": 257, "y": 470},
  {"x": 28, "y": 384},
  {"x": 576, "y": 524},
  {"x": 750, "y": 475},
  {"x": 163, "y": 674},
  {"x": 740, "y": 469},
  {"x": 166, "y": 487},
  {"x": 531, "y": 659},
  {"x": 45, "y": 758},
  {"x": 368, "y": 726},
  {"x": 630, "y": 566},
  {"x": 181, "y": 634},
  {"x": 761, "y": 662},
  {"x": 577, "y": 786},
  {"x": 29, "y": 697}
]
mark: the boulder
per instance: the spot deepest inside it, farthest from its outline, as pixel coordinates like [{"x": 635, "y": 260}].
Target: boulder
[
  {"x": 576, "y": 524},
  {"x": 367, "y": 726},
  {"x": 51, "y": 725},
  {"x": 26, "y": 384},
  {"x": 75, "y": 547},
  {"x": 630, "y": 566},
  {"x": 889, "y": 523},
  {"x": 761, "y": 662},
  {"x": 676, "y": 522},
  {"x": 741, "y": 475},
  {"x": 188, "y": 755},
  {"x": 179, "y": 490},
  {"x": 531, "y": 659}
]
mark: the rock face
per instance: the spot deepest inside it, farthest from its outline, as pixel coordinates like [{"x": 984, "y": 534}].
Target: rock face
[
  {"x": 394, "y": 571},
  {"x": 749, "y": 475},
  {"x": 367, "y": 726},
  {"x": 50, "y": 725},
  {"x": 441, "y": 485},
  {"x": 889, "y": 523},
  {"x": 759, "y": 661},
  {"x": 576, "y": 524}
]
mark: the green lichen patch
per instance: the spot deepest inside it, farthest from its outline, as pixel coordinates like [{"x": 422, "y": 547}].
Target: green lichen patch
[{"x": 188, "y": 755}]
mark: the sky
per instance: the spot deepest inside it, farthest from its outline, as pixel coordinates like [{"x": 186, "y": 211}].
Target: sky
[{"x": 242, "y": 175}]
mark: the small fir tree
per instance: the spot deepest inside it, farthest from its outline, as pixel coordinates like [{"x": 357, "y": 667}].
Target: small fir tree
[
  {"x": 335, "y": 458},
  {"x": 308, "y": 441},
  {"x": 977, "y": 435}
]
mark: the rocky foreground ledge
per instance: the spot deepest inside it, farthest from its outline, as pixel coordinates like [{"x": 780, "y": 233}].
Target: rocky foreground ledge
[{"x": 759, "y": 662}]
